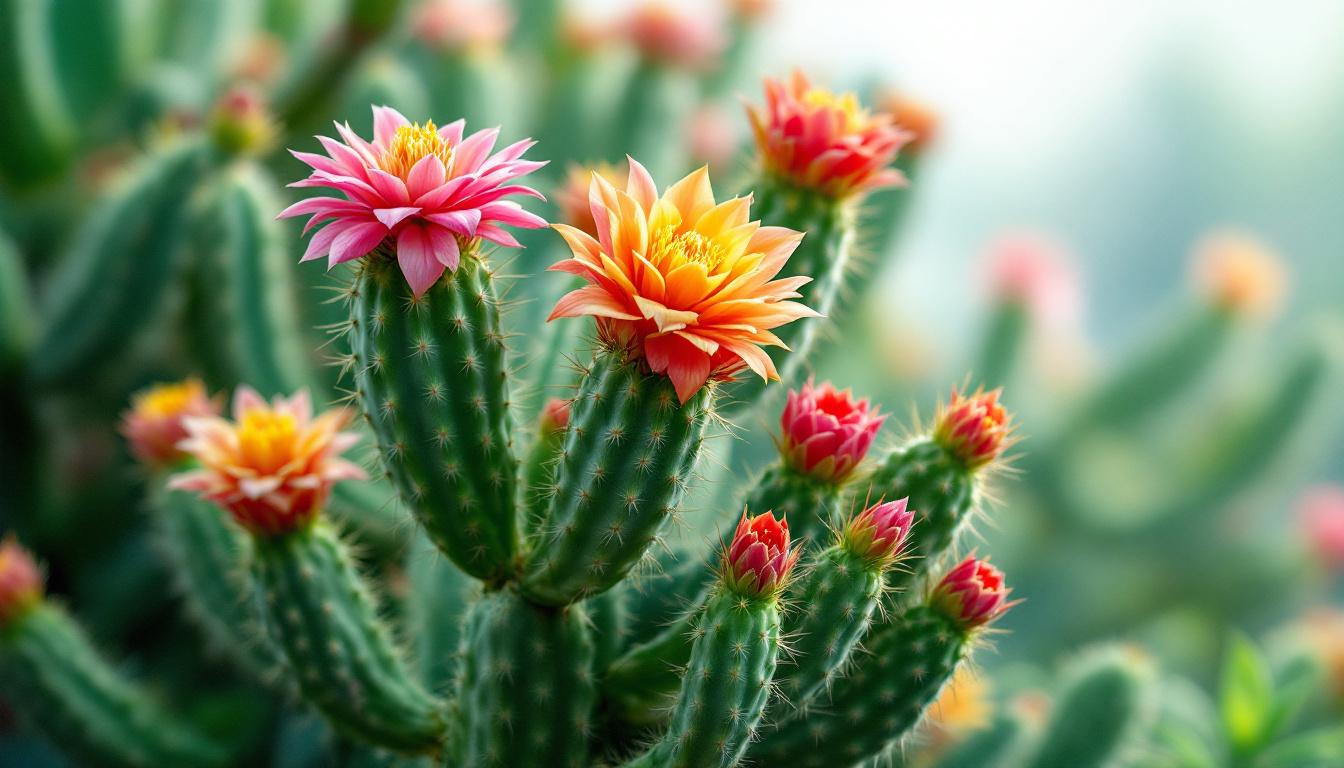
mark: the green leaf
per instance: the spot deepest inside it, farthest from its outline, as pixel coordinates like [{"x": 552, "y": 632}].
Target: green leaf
[{"x": 1247, "y": 695}]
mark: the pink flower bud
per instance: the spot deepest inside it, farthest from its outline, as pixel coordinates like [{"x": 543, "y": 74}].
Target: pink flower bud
[
  {"x": 878, "y": 533},
  {"x": 972, "y": 594},
  {"x": 826, "y": 433},
  {"x": 975, "y": 428},
  {"x": 1321, "y": 515},
  {"x": 1036, "y": 272},
  {"x": 667, "y": 34},
  {"x": 759, "y": 560},
  {"x": 20, "y": 580},
  {"x": 555, "y": 416}
]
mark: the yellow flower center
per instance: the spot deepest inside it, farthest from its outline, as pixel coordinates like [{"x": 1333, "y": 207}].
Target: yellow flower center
[
  {"x": 670, "y": 250},
  {"x": 168, "y": 399},
  {"x": 266, "y": 440},
  {"x": 411, "y": 144},
  {"x": 856, "y": 117}
]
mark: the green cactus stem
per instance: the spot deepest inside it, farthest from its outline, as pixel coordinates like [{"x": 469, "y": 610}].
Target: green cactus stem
[
  {"x": 340, "y": 652},
  {"x": 432, "y": 381},
  {"x": 436, "y": 607},
  {"x": 242, "y": 317},
  {"x": 1105, "y": 703},
  {"x": 811, "y": 506},
  {"x": 627, "y": 457},
  {"x": 210, "y": 558},
  {"x": 908, "y": 664},
  {"x": 119, "y": 265},
  {"x": 66, "y": 690},
  {"x": 725, "y": 687},
  {"x": 526, "y": 692},
  {"x": 1002, "y": 347},
  {"x": 37, "y": 134}
]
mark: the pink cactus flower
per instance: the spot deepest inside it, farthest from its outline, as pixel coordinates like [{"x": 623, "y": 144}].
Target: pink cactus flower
[
  {"x": 555, "y": 416},
  {"x": 1038, "y": 273},
  {"x": 975, "y": 429},
  {"x": 273, "y": 466},
  {"x": 972, "y": 594},
  {"x": 1321, "y": 515},
  {"x": 825, "y": 142},
  {"x": 825, "y": 432},
  {"x": 879, "y": 532},
  {"x": 20, "y": 580},
  {"x": 428, "y": 191},
  {"x": 759, "y": 559},
  {"x": 155, "y": 422},
  {"x": 711, "y": 136},
  {"x": 668, "y": 35},
  {"x": 454, "y": 25}
]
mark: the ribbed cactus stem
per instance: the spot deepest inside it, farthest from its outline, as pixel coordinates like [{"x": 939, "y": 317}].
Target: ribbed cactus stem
[
  {"x": 210, "y": 558},
  {"x": 432, "y": 380},
  {"x": 908, "y": 664},
  {"x": 625, "y": 462},
  {"x": 725, "y": 687},
  {"x": 436, "y": 607},
  {"x": 527, "y": 691},
  {"x": 61, "y": 685},
  {"x": 340, "y": 652},
  {"x": 812, "y": 506}
]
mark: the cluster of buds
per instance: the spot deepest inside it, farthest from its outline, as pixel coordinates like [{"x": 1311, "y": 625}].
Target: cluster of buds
[
  {"x": 826, "y": 432},
  {"x": 20, "y": 581},
  {"x": 972, "y": 594},
  {"x": 760, "y": 556},
  {"x": 975, "y": 429},
  {"x": 273, "y": 466},
  {"x": 155, "y": 424},
  {"x": 878, "y": 534}
]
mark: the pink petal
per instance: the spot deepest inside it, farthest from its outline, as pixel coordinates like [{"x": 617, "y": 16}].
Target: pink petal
[
  {"x": 386, "y": 121},
  {"x": 468, "y": 156},
  {"x": 445, "y": 247},
  {"x": 356, "y": 241},
  {"x": 496, "y": 235},
  {"x": 462, "y": 222},
  {"x": 415, "y": 255},
  {"x": 426, "y": 175},
  {"x": 391, "y": 217}
]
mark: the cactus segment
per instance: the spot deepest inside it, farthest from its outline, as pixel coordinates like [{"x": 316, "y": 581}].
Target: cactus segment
[
  {"x": 65, "y": 689},
  {"x": 725, "y": 687},
  {"x": 526, "y": 692},
  {"x": 1105, "y": 703},
  {"x": 640, "y": 687},
  {"x": 833, "y": 602},
  {"x": 340, "y": 653},
  {"x": 37, "y": 134},
  {"x": 210, "y": 558},
  {"x": 811, "y": 506},
  {"x": 910, "y": 661},
  {"x": 1004, "y": 343},
  {"x": 627, "y": 456},
  {"x": 431, "y": 379},
  {"x": 242, "y": 316},
  {"x": 941, "y": 491},
  {"x": 120, "y": 265},
  {"x": 436, "y": 607},
  {"x": 16, "y": 318}
]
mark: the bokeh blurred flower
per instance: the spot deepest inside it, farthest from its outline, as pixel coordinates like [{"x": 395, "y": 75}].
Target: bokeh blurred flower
[
  {"x": 1240, "y": 273},
  {"x": 672, "y": 36},
  {"x": 453, "y": 25},
  {"x": 751, "y": 9},
  {"x": 555, "y": 415},
  {"x": 964, "y": 705},
  {"x": 759, "y": 559},
  {"x": 878, "y": 533},
  {"x": 1320, "y": 513},
  {"x": 572, "y": 195},
  {"x": 273, "y": 466},
  {"x": 241, "y": 122},
  {"x": 20, "y": 580},
  {"x": 825, "y": 142},
  {"x": 711, "y": 136},
  {"x": 915, "y": 118},
  {"x": 972, "y": 594},
  {"x": 975, "y": 429},
  {"x": 825, "y": 432},
  {"x": 680, "y": 282},
  {"x": 427, "y": 189},
  {"x": 1036, "y": 272},
  {"x": 156, "y": 420}
]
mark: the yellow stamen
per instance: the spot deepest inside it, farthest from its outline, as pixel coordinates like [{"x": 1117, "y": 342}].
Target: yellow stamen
[
  {"x": 266, "y": 440},
  {"x": 168, "y": 399},
  {"x": 672, "y": 249},
  {"x": 411, "y": 144}
]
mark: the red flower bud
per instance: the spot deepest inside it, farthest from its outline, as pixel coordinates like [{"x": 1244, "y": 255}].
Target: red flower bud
[
  {"x": 972, "y": 594},
  {"x": 555, "y": 416},
  {"x": 974, "y": 428},
  {"x": 20, "y": 580},
  {"x": 759, "y": 560},
  {"x": 825, "y": 432}
]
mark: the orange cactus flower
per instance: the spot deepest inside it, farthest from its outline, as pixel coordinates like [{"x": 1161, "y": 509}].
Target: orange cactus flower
[{"x": 680, "y": 282}]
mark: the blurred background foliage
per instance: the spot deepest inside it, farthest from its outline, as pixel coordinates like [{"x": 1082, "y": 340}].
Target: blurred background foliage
[{"x": 1178, "y": 479}]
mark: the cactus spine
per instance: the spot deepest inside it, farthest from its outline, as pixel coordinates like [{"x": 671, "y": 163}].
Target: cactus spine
[
  {"x": 341, "y": 653},
  {"x": 432, "y": 381},
  {"x": 627, "y": 456}
]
